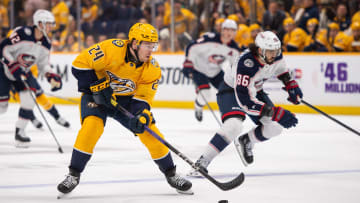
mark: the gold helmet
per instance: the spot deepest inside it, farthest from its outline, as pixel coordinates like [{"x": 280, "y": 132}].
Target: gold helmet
[
  {"x": 312, "y": 21},
  {"x": 355, "y": 25},
  {"x": 333, "y": 26},
  {"x": 288, "y": 21},
  {"x": 254, "y": 26},
  {"x": 219, "y": 20},
  {"x": 143, "y": 32},
  {"x": 233, "y": 17}
]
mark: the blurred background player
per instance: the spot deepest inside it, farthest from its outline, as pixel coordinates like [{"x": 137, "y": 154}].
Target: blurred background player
[
  {"x": 44, "y": 101},
  {"x": 26, "y": 46},
  {"x": 133, "y": 76},
  {"x": 242, "y": 92},
  {"x": 204, "y": 59}
]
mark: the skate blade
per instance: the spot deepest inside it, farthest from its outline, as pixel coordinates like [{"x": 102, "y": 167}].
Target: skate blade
[
  {"x": 187, "y": 192},
  {"x": 240, "y": 149},
  {"x": 62, "y": 195},
  {"x": 19, "y": 144}
]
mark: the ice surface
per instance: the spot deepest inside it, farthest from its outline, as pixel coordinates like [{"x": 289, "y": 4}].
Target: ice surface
[{"x": 318, "y": 161}]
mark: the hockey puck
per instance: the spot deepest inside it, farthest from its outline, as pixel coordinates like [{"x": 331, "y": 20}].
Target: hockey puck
[{"x": 223, "y": 201}]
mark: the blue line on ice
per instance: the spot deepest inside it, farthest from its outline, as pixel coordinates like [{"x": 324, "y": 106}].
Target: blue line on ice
[{"x": 215, "y": 176}]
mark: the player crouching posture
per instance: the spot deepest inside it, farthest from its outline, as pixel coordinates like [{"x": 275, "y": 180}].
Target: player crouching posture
[
  {"x": 133, "y": 76},
  {"x": 25, "y": 47},
  {"x": 242, "y": 91}
]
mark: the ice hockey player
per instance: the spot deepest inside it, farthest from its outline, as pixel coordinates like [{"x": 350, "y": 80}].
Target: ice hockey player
[
  {"x": 44, "y": 101},
  {"x": 133, "y": 76},
  {"x": 26, "y": 46},
  {"x": 242, "y": 93},
  {"x": 204, "y": 59}
]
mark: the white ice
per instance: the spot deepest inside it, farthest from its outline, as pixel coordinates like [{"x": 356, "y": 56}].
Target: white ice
[{"x": 318, "y": 161}]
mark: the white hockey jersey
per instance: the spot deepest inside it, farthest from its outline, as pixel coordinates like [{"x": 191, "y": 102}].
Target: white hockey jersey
[
  {"x": 22, "y": 47},
  {"x": 208, "y": 54},
  {"x": 247, "y": 76}
]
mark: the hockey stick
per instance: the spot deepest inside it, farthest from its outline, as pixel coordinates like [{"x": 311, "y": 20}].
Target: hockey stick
[
  {"x": 330, "y": 117},
  {"x": 63, "y": 98},
  {"x": 223, "y": 186},
  {"x": 43, "y": 116}
]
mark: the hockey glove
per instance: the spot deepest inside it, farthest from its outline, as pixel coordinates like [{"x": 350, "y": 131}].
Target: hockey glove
[
  {"x": 54, "y": 80},
  {"x": 284, "y": 117},
  {"x": 17, "y": 71},
  {"x": 137, "y": 123},
  {"x": 102, "y": 92},
  {"x": 294, "y": 91},
  {"x": 188, "y": 68}
]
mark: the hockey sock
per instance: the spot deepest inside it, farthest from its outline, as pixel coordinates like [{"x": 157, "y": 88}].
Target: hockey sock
[
  {"x": 256, "y": 135},
  {"x": 54, "y": 113},
  {"x": 24, "y": 117},
  {"x": 202, "y": 96},
  {"x": 44, "y": 102},
  {"x": 165, "y": 163},
  {"x": 79, "y": 160},
  {"x": 216, "y": 145},
  {"x": 26, "y": 114},
  {"x": 264, "y": 132},
  {"x": 198, "y": 105}
]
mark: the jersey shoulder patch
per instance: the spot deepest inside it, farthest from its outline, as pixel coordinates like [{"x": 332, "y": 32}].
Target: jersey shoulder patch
[
  {"x": 25, "y": 33},
  {"x": 154, "y": 62},
  {"x": 247, "y": 65},
  {"x": 118, "y": 42}
]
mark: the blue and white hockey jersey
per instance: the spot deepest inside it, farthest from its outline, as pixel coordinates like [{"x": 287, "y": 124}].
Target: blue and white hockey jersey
[
  {"x": 208, "y": 54},
  {"x": 22, "y": 47},
  {"x": 247, "y": 76}
]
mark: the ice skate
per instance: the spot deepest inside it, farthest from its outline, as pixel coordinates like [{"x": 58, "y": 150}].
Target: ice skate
[
  {"x": 69, "y": 184},
  {"x": 37, "y": 124},
  {"x": 61, "y": 121},
  {"x": 201, "y": 162},
  {"x": 181, "y": 185},
  {"x": 198, "y": 114},
  {"x": 244, "y": 147},
  {"x": 21, "y": 140}
]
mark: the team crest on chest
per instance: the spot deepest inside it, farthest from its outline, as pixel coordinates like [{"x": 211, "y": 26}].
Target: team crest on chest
[
  {"x": 119, "y": 85},
  {"x": 118, "y": 43},
  {"x": 249, "y": 63},
  {"x": 27, "y": 31}
]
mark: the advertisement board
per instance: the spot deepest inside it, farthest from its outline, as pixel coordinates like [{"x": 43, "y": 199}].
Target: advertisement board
[{"x": 325, "y": 79}]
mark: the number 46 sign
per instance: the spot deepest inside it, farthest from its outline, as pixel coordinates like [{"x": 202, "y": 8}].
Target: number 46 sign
[{"x": 335, "y": 70}]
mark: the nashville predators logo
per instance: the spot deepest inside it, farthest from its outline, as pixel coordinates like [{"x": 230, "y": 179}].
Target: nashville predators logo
[
  {"x": 118, "y": 43},
  {"x": 120, "y": 86}
]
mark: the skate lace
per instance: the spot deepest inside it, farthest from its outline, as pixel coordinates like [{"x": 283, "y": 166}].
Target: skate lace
[
  {"x": 178, "y": 181},
  {"x": 248, "y": 147},
  {"x": 202, "y": 162},
  {"x": 70, "y": 181}
]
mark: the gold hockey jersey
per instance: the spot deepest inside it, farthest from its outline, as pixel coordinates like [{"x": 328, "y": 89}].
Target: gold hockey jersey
[{"x": 109, "y": 59}]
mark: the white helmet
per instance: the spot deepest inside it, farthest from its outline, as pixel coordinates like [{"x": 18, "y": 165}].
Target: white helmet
[
  {"x": 228, "y": 23},
  {"x": 43, "y": 16},
  {"x": 267, "y": 41}
]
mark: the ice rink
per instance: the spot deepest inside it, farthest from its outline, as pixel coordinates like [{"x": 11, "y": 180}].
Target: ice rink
[{"x": 318, "y": 161}]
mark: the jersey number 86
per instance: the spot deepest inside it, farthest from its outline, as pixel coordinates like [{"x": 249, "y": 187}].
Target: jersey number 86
[{"x": 242, "y": 80}]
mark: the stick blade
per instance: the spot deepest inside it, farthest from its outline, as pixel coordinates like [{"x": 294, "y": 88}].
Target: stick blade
[{"x": 233, "y": 183}]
